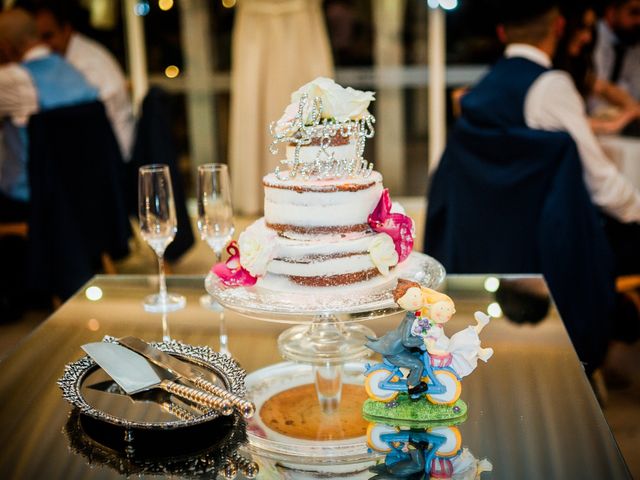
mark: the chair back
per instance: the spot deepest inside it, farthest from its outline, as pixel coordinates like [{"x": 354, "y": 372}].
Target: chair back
[
  {"x": 78, "y": 213},
  {"x": 513, "y": 200}
]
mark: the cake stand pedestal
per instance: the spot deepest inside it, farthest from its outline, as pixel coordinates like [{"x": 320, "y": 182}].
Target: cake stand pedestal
[{"x": 325, "y": 349}]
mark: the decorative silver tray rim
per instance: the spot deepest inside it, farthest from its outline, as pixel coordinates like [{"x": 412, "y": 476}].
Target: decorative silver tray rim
[
  {"x": 260, "y": 302},
  {"x": 225, "y": 367}
]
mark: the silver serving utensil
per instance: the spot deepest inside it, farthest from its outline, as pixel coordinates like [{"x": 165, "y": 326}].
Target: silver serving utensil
[
  {"x": 185, "y": 370},
  {"x": 134, "y": 374},
  {"x": 173, "y": 406}
]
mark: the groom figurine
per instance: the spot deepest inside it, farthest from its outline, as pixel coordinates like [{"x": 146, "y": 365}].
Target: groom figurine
[{"x": 400, "y": 347}]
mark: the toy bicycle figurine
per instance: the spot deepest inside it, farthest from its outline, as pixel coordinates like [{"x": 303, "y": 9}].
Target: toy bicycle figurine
[{"x": 436, "y": 363}]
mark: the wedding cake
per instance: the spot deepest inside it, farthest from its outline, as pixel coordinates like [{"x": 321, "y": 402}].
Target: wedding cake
[{"x": 328, "y": 221}]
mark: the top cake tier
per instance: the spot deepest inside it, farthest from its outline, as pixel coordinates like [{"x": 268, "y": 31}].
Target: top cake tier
[
  {"x": 301, "y": 208},
  {"x": 342, "y": 147}
]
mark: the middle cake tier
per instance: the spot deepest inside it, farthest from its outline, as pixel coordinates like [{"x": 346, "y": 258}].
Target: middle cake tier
[{"x": 317, "y": 208}]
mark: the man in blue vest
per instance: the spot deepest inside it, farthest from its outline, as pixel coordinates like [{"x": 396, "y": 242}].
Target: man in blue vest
[
  {"x": 34, "y": 79},
  {"x": 515, "y": 189}
]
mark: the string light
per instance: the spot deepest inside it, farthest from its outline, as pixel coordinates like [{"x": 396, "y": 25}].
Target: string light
[{"x": 171, "y": 71}]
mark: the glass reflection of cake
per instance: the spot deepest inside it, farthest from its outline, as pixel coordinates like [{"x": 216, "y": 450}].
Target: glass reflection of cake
[{"x": 328, "y": 221}]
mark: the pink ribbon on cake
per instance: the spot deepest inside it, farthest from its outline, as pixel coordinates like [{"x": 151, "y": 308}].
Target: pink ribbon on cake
[
  {"x": 398, "y": 226},
  {"x": 231, "y": 273}
]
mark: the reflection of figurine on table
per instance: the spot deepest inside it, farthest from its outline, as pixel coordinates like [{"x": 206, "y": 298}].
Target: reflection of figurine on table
[{"x": 436, "y": 452}]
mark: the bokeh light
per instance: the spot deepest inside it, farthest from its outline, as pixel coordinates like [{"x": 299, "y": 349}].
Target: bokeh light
[
  {"x": 491, "y": 284},
  {"x": 93, "y": 325},
  {"x": 494, "y": 310},
  {"x": 93, "y": 293},
  {"x": 228, "y": 3},
  {"x": 171, "y": 71},
  {"x": 142, "y": 8},
  {"x": 165, "y": 5}
]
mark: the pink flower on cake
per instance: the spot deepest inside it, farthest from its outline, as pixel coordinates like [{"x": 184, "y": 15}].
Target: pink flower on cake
[
  {"x": 257, "y": 245},
  {"x": 398, "y": 226},
  {"x": 231, "y": 273}
]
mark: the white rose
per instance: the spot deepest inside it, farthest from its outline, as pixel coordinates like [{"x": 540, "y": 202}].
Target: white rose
[
  {"x": 337, "y": 102},
  {"x": 352, "y": 104},
  {"x": 283, "y": 124},
  {"x": 257, "y": 245},
  {"x": 383, "y": 253}
]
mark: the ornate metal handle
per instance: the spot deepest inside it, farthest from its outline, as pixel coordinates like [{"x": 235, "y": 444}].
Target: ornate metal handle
[
  {"x": 248, "y": 468},
  {"x": 222, "y": 405},
  {"x": 177, "y": 411},
  {"x": 246, "y": 408}
]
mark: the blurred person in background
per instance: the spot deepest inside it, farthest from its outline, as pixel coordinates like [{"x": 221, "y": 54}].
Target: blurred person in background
[
  {"x": 575, "y": 55},
  {"x": 553, "y": 103},
  {"x": 522, "y": 100},
  {"x": 55, "y": 21},
  {"x": 617, "y": 50},
  {"x": 277, "y": 46},
  {"x": 32, "y": 79}
]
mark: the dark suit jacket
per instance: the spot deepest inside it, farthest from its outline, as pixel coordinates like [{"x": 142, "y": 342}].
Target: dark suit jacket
[
  {"x": 398, "y": 340},
  {"x": 77, "y": 197},
  {"x": 513, "y": 200}
]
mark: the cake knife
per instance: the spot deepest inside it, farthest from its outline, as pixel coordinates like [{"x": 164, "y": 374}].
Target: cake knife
[
  {"x": 135, "y": 374},
  {"x": 187, "y": 371}
]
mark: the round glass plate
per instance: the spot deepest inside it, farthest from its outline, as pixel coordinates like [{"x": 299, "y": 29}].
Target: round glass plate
[
  {"x": 290, "y": 426},
  {"x": 86, "y": 386},
  {"x": 292, "y": 306}
]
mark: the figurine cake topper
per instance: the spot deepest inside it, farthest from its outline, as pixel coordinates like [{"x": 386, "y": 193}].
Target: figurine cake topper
[
  {"x": 435, "y": 362},
  {"x": 322, "y": 113}
]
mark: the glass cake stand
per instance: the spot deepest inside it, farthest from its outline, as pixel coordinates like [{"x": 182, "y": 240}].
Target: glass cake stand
[{"x": 325, "y": 348}]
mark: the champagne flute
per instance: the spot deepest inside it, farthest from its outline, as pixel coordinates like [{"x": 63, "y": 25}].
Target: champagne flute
[
  {"x": 215, "y": 223},
  {"x": 158, "y": 226}
]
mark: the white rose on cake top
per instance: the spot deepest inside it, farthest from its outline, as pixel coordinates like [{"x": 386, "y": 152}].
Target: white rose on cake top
[{"x": 338, "y": 103}]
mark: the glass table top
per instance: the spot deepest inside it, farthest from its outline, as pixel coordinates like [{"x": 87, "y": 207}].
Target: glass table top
[{"x": 531, "y": 411}]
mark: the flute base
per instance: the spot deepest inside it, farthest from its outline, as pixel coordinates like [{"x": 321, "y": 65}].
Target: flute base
[{"x": 170, "y": 302}]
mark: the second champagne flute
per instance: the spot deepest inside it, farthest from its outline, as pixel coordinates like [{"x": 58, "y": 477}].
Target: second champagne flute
[
  {"x": 158, "y": 226},
  {"x": 215, "y": 223},
  {"x": 215, "y": 213}
]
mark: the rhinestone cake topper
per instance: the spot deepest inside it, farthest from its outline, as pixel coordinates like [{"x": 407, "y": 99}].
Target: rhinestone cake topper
[{"x": 296, "y": 131}]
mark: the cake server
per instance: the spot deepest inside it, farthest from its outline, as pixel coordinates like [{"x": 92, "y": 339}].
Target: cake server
[
  {"x": 188, "y": 371},
  {"x": 135, "y": 374}
]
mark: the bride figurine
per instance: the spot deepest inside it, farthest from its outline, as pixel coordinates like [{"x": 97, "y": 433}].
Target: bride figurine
[{"x": 432, "y": 310}]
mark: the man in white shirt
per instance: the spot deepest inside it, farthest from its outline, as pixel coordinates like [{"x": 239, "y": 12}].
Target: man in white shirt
[
  {"x": 617, "y": 50},
  {"x": 508, "y": 195},
  {"x": 94, "y": 61},
  {"x": 34, "y": 79},
  {"x": 553, "y": 103}
]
